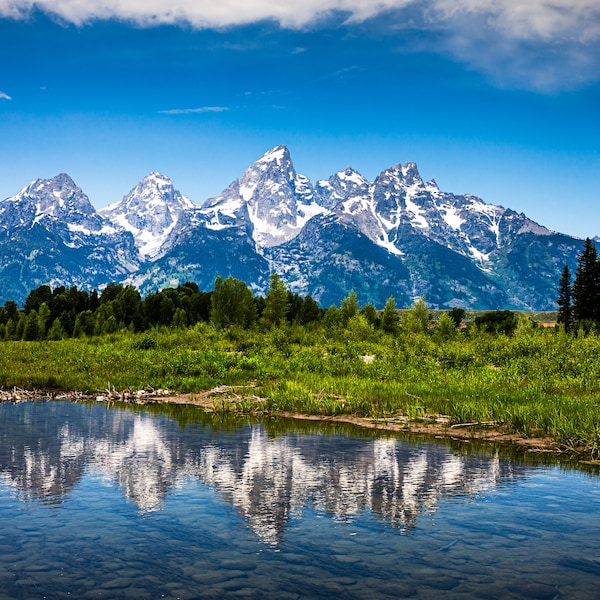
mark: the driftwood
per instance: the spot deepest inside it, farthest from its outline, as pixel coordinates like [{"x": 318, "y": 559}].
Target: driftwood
[{"x": 476, "y": 423}]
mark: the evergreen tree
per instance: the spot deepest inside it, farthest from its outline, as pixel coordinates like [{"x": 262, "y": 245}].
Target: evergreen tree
[
  {"x": 31, "y": 328},
  {"x": 332, "y": 319},
  {"x": 180, "y": 320},
  {"x": 309, "y": 311},
  {"x": 43, "y": 319},
  {"x": 586, "y": 287},
  {"x": 277, "y": 302},
  {"x": 369, "y": 312},
  {"x": 10, "y": 311},
  {"x": 85, "y": 323},
  {"x": 56, "y": 331},
  {"x": 349, "y": 306},
  {"x": 445, "y": 328},
  {"x": 296, "y": 301},
  {"x": 390, "y": 319},
  {"x": 565, "y": 308},
  {"x": 167, "y": 309},
  {"x": 10, "y": 330},
  {"x": 457, "y": 315},
  {"x": 20, "y": 326},
  {"x": 37, "y": 297},
  {"x": 359, "y": 329}
]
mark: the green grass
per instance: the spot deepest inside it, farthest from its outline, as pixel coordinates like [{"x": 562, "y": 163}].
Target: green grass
[{"x": 539, "y": 382}]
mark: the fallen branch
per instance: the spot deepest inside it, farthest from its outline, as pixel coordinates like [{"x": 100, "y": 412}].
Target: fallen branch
[{"x": 480, "y": 423}]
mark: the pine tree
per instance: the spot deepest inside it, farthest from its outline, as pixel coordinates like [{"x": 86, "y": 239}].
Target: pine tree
[
  {"x": 277, "y": 302},
  {"x": 445, "y": 328},
  {"x": 586, "y": 287},
  {"x": 565, "y": 308},
  {"x": 457, "y": 314},
  {"x": 416, "y": 319},
  {"x": 56, "y": 331},
  {"x": 390, "y": 319},
  {"x": 43, "y": 319},
  {"x": 309, "y": 311},
  {"x": 349, "y": 306},
  {"x": 180, "y": 320}
]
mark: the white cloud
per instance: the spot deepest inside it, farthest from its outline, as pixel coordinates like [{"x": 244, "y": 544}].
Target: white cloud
[
  {"x": 192, "y": 111},
  {"x": 4, "y": 96},
  {"x": 525, "y": 19},
  {"x": 528, "y": 34}
]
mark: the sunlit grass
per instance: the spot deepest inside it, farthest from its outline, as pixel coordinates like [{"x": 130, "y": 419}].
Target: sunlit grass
[{"x": 539, "y": 383}]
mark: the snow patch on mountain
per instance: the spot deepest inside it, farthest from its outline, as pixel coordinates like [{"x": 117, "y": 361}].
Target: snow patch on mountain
[
  {"x": 151, "y": 212},
  {"x": 271, "y": 199}
]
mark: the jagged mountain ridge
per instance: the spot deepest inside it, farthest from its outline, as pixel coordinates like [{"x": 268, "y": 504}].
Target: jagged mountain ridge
[
  {"x": 151, "y": 212},
  {"x": 396, "y": 236},
  {"x": 51, "y": 234}
]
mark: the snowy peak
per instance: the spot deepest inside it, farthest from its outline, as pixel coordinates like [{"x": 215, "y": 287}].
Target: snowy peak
[
  {"x": 56, "y": 204},
  {"x": 272, "y": 199},
  {"x": 151, "y": 212},
  {"x": 340, "y": 186},
  {"x": 410, "y": 174},
  {"x": 57, "y": 197}
]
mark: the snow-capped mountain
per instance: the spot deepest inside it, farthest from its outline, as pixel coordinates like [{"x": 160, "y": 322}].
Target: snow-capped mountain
[
  {"x": 58, "y": 202},
  {"x": 340, "y": 186},
  {"x": 396, "y": 236},
  {"x": 151, "y": 212},
  {"x": 272, "y": 199},
  {"x": 51, "y": 234}
]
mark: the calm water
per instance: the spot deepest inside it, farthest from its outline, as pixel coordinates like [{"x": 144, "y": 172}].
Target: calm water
[{"x": 113, "y": 503}]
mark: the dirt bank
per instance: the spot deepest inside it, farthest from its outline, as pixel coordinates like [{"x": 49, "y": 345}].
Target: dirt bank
[{"x": 433, "y": 425}]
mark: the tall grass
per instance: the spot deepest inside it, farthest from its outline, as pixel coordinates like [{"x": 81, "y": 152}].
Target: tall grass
[{"x": 538, "y": 382}]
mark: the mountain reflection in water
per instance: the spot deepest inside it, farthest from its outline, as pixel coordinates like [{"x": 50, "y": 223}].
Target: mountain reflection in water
[{"x": 47, "y": 448}]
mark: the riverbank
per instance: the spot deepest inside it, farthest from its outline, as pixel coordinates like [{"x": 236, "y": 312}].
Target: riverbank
[
  {"x": 538, "y": 384},
  {"x": 225, "y": 399}
]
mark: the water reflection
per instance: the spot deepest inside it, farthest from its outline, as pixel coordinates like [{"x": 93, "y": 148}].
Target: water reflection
[{"x": 45, "y": 450}]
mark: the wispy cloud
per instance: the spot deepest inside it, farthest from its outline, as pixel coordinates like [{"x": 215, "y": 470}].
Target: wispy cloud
[
  {"x": 4, "y": 96},
  {"x": 193, "y": 111},
  {"x": 557, "y": 38},
  {"x": 342, "y": 74}
]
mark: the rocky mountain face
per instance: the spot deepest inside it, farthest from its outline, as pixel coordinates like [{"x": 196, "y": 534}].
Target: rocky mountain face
[
  {"x": 51, "y": 234},
  {"x": 151, "y": 212},
  {"x": 396, "y": 236}
]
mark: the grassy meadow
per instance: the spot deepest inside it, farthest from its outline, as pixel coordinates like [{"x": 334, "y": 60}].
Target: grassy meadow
[{"x": 535, "y": 381}]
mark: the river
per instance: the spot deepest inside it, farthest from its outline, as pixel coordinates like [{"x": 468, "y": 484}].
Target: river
[{"x": 112, "y": 502}]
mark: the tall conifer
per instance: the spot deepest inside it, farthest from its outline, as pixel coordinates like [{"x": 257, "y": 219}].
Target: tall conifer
[
  {"x": 586, "y": 287},
  {"x": 565, "y": 308}
]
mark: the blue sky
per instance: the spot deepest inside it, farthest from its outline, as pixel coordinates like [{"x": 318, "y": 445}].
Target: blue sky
[{"x": 497, "y": 98}]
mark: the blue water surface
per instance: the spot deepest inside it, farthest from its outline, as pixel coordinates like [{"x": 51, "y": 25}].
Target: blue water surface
[{"x": 109, "y": 502}]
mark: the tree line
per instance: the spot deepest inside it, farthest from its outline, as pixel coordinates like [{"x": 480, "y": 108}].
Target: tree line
[
  {"x": 579, "y": 301},
  {"x": 62, "y": 312},
  {"x": 54, "y": 314}
]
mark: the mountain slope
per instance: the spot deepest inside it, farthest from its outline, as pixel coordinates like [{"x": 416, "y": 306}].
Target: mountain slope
[
  {"x": 51, "y": 234},
  {"x": 271, "y": 200},
  {"x": 151, "y": 212}
]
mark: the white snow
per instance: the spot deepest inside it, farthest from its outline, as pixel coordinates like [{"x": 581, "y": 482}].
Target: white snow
[
  {"x": 352, "y": 176},
  {"x": 478, "y": 255},
  {"x": 451, "y": 216},
  {"x": 418, "y": 219}
]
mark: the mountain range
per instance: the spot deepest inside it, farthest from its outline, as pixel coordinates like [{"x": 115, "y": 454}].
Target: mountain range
[{"x": 395, "y": 236}]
